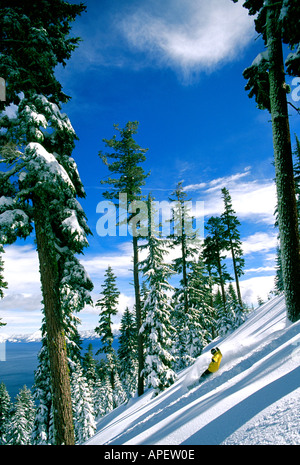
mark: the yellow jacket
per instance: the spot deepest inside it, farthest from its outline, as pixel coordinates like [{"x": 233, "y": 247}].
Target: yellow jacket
[{"x": 215, "y": 362}]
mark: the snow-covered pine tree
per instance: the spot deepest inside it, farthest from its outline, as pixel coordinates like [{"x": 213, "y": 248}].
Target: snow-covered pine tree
[
  {"x": 234, "y": 240},
  {"x": 197, "y": 329},
  {"x": 83, "y": 405},
  {"x": 100, "y": 398},
  {"x": 5, "y": 411},
  {"x": 126, "y": 158},
  {"x": 233, "y": 315},
  {"x": 278, "y": 22},
  {"x": 184, "y": 237},
  {"x": 75, "y": 287},
  {"x": 215, "y": 243},
  {"x": 74, "y": 294},
  {"x": 108, "y": 307},
  {"x": 118, "y": 391},
  {"x": 43, "y": 429},
  {"x": 3, "y": 283},
  {"x": 158, "y": 370},
  {"x": 41, "y": 180},
  {"x": 279, "y": 286},
  {"x": 200, "y": 299},
  {"x": 105, "y": 396},
  {"x": 89, "y": 365},
  {"x": 127, "y": 353},
  {"x": 297, "y": 176},
  {"x": 22, "y": 419}
]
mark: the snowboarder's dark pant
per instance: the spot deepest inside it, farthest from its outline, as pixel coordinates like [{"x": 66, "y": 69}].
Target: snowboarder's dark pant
[{"x": 205, "y": 374}]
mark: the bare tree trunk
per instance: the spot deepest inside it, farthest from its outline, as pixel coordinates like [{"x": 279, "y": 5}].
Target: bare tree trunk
[
  {"x": 287, "y": 210},
  {"x": 60, "y": 380}
]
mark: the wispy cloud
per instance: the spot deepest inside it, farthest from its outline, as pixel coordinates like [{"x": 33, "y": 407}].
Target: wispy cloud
[
  {"x": 251, "y": 199},
  {"x": 191, "y": 35},
  {"x": 218, "y": 183},
  {"x": 120, "y": 261},
  {"x": 260, "y": 242}
]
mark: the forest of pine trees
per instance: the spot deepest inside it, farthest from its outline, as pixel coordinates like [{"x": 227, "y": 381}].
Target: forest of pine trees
[
  {"x": 181, "y": 305},
  {"x": 178, "y": 321}
]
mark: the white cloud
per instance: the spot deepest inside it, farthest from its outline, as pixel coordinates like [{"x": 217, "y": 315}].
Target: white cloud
[
  {"x": 21, "y": 268},
  {"x": 21, "y": 305},
  {"x": 190, "y": 35},
  {"x": 23, "y": 297},
  {"x": 97, "y": 264},
  {"x": 256, "y": 287},
  {"x": 260, "y": 269},
  {"x": 253, "y": 199},
  {"x": 259, "y": 242}
]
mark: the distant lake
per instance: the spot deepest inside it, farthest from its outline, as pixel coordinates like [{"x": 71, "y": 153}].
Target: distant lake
[{"x": 21, "y": 362}]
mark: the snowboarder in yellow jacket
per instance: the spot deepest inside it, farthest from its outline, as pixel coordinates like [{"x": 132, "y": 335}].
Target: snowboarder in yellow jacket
[
  {"x": 212, "y": 368},
  {"x": 215, "y": 362}
]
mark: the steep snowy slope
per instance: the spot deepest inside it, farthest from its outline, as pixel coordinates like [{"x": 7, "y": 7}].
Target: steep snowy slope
[{"x": 253, "y": 399}]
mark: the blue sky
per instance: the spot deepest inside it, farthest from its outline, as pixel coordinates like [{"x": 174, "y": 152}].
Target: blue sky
[{"x": 176, "y": 67}]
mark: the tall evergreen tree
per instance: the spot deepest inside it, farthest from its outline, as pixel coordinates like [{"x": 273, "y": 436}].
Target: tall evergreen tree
[
  {"x": 127, "y": 352},
  {"x": 42, "y": 181},
  {"x": 215, "y": 244},
  {"x": 74, "y": 294},
  {"x": 183, "y": 236},
  {"x": 234, "y": 240},
  {"x": 108, "y": 307},
  {"x": 158, "y": 361},
  {"x": 126, "y": 158},
  {"x": 43, "y": 429},
  {"x": 200, "y": 299},
  {"x": 279, "y": 286},
  {"x": 89, "y": 365},
  {"x": 119, "y": 395},
  {"x": 297, "y": 177},
  {"x": 22, "y": 419},
  {"x": 278, "y": 22},
  {"x": 5, "y": 411},
  {"x": 83, "y": 405},
  {"x": 234, "y": 314}
]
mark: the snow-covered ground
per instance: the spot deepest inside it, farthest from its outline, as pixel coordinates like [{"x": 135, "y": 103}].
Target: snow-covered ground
[{"x": 254, "y": 398}]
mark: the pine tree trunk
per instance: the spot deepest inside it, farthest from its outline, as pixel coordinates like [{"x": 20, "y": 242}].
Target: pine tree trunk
[
  {"x": 138, "y": 310},
  {"x": 287, "y": 211},
  {"x": 60, "y": 381}
]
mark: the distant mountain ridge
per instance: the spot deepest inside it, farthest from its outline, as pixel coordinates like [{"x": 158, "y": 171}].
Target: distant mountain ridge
[{"x": 37, "y": 336}]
